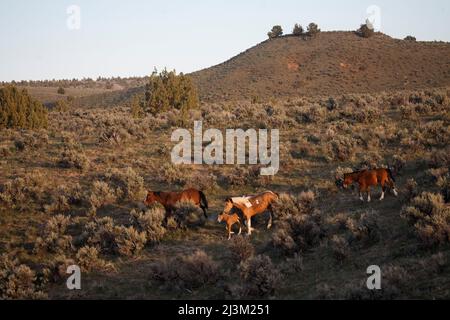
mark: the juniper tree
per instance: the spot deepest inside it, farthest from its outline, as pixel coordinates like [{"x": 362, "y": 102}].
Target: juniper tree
[
  {"x": 276, "y": 32},
  {"x": 168, "y": 90},
  {"x": 298, "y": 30},
  {"x": 366, "y": 30},
  {"x": 313, "y": 29},
  {"x": 19, "y": 110}
]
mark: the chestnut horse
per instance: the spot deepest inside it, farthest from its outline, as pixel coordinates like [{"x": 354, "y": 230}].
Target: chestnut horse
[
  {"x": 252, "y": 206},
  {"x": 230, "y": 220},
  {"x": 170, "y": 199},
  {"x": 370, "y": 178}
]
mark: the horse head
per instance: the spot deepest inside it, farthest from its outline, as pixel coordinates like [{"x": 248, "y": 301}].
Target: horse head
[
  {"x": 347, "y": 181},
  {"x": 220, "y": 218},
  {"x": 150, "y": 199},
  {"x": 339, "y": 182},
  {"x": 228, "y": 206}
]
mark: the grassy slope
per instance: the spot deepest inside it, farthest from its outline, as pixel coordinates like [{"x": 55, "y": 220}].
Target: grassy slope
[
  {"x": 332, "y": 63},
  {"x": 397, "y": 246}
]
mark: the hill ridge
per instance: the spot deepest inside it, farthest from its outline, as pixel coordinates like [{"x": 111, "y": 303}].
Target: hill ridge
[{"x": 293, "y": 66}]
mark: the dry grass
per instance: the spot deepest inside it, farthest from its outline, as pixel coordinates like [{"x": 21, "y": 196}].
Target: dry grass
[{"x": 322, "y": 240}]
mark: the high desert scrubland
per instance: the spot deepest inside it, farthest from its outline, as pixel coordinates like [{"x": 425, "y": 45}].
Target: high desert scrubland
[{"x": 72, "y": 190}]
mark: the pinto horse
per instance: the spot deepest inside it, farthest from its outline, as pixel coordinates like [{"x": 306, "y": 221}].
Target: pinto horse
[
  {"x": 252, "y": 206},
  {"x": 170, "y": 199},
  {"x": 370, "y": 178}
]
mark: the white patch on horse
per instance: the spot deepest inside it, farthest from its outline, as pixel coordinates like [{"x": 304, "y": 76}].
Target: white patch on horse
[{"x": 242, "y": 200}]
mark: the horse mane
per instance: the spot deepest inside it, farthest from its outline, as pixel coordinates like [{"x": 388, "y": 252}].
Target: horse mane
[
  {"x": 354, "y": 173},
  {"x": 390, "y": 174}
]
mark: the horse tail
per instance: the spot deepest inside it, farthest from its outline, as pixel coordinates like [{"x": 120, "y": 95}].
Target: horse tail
[
  {"x": 203, "y": 200},
  {"x": 203, "y": 204},
  {"x": 391, "y": 176}
]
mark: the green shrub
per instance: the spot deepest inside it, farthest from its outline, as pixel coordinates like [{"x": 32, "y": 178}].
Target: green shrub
[
  {"x": 340, "y": 248},
  {"x": 54, "y": 238},
  {"x": 277, "y": 31},
  {"x": 100, "y": 233},
  {"x": 430, "y": 217},
  {"x": 366, "y": 30},
  {"x": 136, "y": 106},
  {"x": 55, "y": 270},
  {"x": 16, "y": 193},
  {"x": 129, "y": 241},
  {"x": 241, "y": 249},
  {"x": 298, "y": 30},
  {"x": 411, "y": 190},
  {"x": 190, "y": 271},
  {"x": 88, "y": 259},
  {"x": 150, "y": 222},
  {"x": 444, "y": 184},
  {"x": 260, "y": 278},
  {"x": 17, "y": 281},
  {"x": 313, "y": 29},
  {"x": 171, "y": 174},
  {"x": 187, "y": 214},
  {"x": 19, "y": 110},
  {"x": 168, "y": 90},
  {"x": 129, "y": 185},
  {"x": 298, "y": 225},
  {"x": 111, "y": 239},
  {"x": 341, "y": 148},
  {"x": 61, "y": 106},
  {"x": 365, "y": 230},
  {"x": 101, "y": 195},
  {"x": 74, "y": 157}
]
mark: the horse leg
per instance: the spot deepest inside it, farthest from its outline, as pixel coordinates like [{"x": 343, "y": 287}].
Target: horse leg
[
  {"x": 382, "y": 194},
  {"x": 166, "y": 217},
  {"x": 231, "y": 228},
  {"x": 361, "y": 190},
  {"x": 271, "y": 218},
  {"x": 394, "y": 189},
  {"x": 204, "y": 211},
  {"x": 269, "y": 226},
  {"x": 249, "y": 226},
  {"x": 368, "y": 195},
  {"x": 383, "y": 188},
  {"x": 240, "y": 228},
  {"x": 229, "y": 232}
]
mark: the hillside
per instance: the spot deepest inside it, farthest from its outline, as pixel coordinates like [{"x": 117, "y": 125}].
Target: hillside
[
  {"x": 329, "y": 64},
  {"x": 72, "y": 194},
  {"x": 332, "y": 63}
]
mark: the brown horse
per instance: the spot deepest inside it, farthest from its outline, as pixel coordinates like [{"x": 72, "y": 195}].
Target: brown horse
[
  {"x": 170, "y": 199},
  {"x": 370, "y": 178},
  {"x": 230, "y": 220},
  {"x": 252, "y": 206}
]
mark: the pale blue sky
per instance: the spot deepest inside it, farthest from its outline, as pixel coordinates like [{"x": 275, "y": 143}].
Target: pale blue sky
[{"x": 127, "y": 38}]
